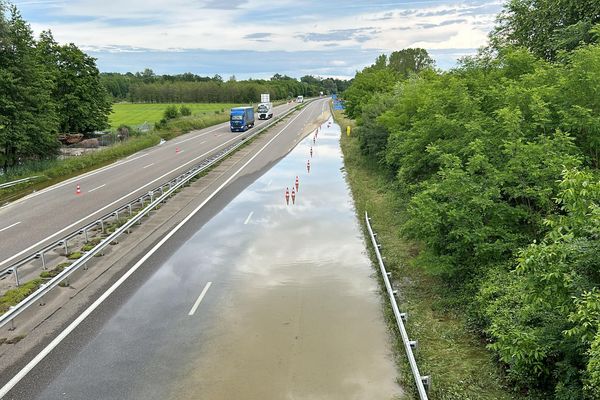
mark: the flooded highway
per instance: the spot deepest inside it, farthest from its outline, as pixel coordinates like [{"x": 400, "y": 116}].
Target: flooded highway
[{"x": 268, "y": 300}]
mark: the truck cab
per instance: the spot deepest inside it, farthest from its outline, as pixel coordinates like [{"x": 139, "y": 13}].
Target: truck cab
[
  {"x": 265, "y": 110},
  {"x": 241, "y": 119},
  {"x": 300, "y": 99}
]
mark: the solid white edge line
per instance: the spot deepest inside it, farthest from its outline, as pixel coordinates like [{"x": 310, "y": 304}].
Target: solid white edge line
[
  {"x": 10, "y": 226},
  {"x": 248, "y": 219},
  {"x": 197, "y": 303},
  {"x": 72, "y": 180},
  {"x": 111, "y": 204},
  {"x": 36, "y": 360},
  {"x": 96, "y": 188}
]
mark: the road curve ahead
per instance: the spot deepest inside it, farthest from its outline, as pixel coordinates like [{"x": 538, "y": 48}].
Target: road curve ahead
[{"x": 38, "y": 219}]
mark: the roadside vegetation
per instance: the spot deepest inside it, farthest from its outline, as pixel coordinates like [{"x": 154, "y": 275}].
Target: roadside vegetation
[
  {"x": 49, "y": 172},
  {"x": 483, "y": 183},
  {"x": 45, "y": 89},
  {"x": 52, "y": 93},
  {"x": 455, "y": 358}
]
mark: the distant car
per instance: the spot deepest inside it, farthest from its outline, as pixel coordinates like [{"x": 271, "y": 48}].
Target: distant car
[{"x": 300, "y": 99}]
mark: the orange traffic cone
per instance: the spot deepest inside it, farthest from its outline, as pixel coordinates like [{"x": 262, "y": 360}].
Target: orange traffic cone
[{"x": 287, "y": 195}]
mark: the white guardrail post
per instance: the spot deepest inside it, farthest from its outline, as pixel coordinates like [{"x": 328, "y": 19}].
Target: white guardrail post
[
  {"x": 180, "y": 181},
  {"x": 409, "y": 345}
]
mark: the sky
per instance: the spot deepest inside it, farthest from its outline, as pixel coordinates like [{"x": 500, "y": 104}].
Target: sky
[{"x": 258, "y": 38}]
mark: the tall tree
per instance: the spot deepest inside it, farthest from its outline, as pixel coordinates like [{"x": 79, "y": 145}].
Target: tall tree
[
  {"x": 27, "y": 111},
  {"x": 546, "y": 26},
  {"x": 82, "y": 101},
  {"x": 407, "y": 61}
]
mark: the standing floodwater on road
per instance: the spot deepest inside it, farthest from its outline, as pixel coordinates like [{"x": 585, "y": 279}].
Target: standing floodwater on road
[{"x": 267, "y": 300}]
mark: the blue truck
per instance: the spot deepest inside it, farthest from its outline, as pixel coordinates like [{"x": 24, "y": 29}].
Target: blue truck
[{"x": 241, "y": 119}]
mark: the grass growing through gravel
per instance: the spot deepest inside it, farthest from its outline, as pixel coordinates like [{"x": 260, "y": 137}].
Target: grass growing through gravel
[
  {"x": 54, "y": 271},
  {"x": 460, "y": 366},
  {"x": 134, "y": 114},
  {"x": 90, "y": 244},
  {"x": 14, "y": 296}
]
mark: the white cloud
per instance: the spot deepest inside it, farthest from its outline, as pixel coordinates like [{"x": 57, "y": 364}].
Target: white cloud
[{"x": 266, "y": 26}]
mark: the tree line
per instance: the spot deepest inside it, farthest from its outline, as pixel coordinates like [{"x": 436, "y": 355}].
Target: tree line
[
  {"x": 147, "y": 87},
  {"x": 45, "y": 88},
  {"x": 496, "y": 165}
]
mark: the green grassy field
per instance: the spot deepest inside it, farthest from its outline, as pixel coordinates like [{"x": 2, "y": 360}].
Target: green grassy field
[{"x": 134, "y": 114}]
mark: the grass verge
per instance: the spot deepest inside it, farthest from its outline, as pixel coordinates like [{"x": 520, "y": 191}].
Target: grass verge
[
  {"x": 53, "y": 171},
  {"x": 457, "y": 361}
]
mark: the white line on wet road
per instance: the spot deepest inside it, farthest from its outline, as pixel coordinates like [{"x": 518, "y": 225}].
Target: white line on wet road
[
  {"x": 248, "y": 219},
  {"x": 10, "y": 226},
  {"x": 96, "y": 188},
  {"x": 197, "y": 303},
  {"x": 86, "y": 313},
  {"x": 113, "y": 203},
  {"x": 149, "y": 165}
]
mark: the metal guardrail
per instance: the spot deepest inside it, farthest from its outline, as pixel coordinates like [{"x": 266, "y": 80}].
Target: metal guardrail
[
  {"x": 13, "y": 183},
  {"x": 422, "y": 382},
  {"x": 125, "y": 208},
  {"x": 173, "y": 185}
]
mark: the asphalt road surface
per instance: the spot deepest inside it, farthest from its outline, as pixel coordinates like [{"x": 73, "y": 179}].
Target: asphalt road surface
[
  {"x": 43, "y": 217},
  {"x": 267, "y": 300}
]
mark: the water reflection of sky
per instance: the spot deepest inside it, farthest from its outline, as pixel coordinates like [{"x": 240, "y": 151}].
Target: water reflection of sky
[
  {"x": 150, "y": 348},
  {"x": 320, "y": 229}
]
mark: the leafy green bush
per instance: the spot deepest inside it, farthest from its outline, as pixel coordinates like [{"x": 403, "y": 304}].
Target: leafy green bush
[
  {"x": 179, "y": 126},
  {"x": 185, "y": 111},
  {"x": 496, "y": 163},
  {"x": 171, "y": 112}
]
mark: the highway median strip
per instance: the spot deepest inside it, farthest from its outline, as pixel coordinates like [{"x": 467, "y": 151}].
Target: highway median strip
[
  {"x": 79, "y": 319},
  {"x": 17, "y": 300}
]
